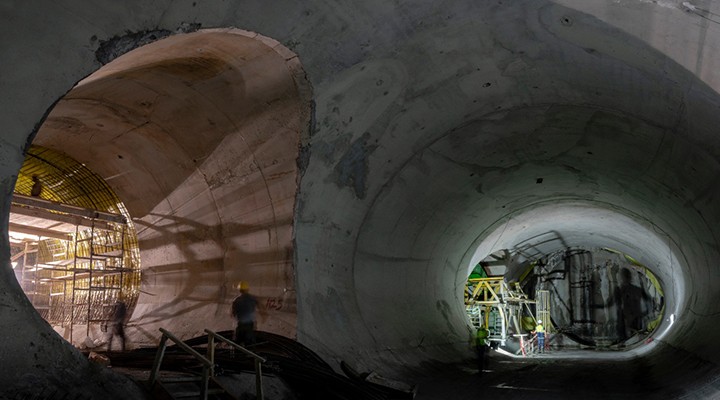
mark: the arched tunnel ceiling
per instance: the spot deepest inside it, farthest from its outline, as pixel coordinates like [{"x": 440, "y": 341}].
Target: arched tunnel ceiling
[
  {"x": 66, "y": 181},
  {"x": 461, "y": 130},
  {"x": 198, "y": 134},
  {"x": 433, "y": 124},
  {"x": 144, "y": 114}
]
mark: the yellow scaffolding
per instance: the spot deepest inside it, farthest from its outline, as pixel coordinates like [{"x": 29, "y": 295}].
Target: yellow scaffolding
[
  {"x": 499, "y": 306},
  {"x": 75, "y": 278},
  {"x": 75, "y": 249}
]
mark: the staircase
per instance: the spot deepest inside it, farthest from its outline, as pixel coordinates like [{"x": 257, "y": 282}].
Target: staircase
[{"x": 199, "y": 380}]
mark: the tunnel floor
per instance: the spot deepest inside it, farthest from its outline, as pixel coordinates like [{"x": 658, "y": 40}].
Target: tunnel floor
[
  {"x": 560, "y": 375},
  {"x": 295, "y": 372},
  {"x": 291, "y": 371}
]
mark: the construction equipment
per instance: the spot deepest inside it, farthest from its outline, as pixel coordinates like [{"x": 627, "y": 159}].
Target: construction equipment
[
  {"x": 542, "y": 308},
  {"x": 74, "y": 273},
  {"x": 499, "y": 306}
]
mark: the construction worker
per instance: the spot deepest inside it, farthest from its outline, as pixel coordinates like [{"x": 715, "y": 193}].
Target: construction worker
[
  {"x": 37, "y": 187},
  {"x": 481, "y": 344},
  {"x": 117, "y": 319},
  {"x": 540, "y": 334},
  {"x": 243, "y": 310}
]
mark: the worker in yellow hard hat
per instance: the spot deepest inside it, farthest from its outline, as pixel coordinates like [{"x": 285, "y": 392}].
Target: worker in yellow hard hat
[{"x": 243, "y": 310}]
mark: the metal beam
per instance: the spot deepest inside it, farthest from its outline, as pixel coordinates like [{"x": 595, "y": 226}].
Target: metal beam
[
  {"x": 26, "y": 250},
  {"x": 493, "y": 263},
  {"x": 66, "y": 208},
  {"x": 54, "y": 216},
  {"x": 31, "y": 230}
]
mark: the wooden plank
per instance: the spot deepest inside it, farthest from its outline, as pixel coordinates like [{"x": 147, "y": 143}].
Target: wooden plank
[{"x": 30, "y": 230}]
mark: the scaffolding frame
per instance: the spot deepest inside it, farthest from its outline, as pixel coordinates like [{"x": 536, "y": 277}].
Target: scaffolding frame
[
  {"x": 542, "y": 309},
  {"x": 497, "y": 305},
  {"x": 75, "y": 278}
]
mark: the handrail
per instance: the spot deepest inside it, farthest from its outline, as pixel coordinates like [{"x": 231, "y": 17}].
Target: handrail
[
  {"x": 258, "y": 359},
  {"x": 187, "y": 348},
  {"x": 207, "y": 364},
  {"x": 231, "y": 343}
]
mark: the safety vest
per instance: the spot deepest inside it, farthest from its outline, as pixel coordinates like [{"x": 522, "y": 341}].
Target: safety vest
[
  {"x": 480, "y": 336},
  {"x": 540, "y": 329}
]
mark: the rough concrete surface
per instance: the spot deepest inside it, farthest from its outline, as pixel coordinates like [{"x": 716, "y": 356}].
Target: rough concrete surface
[{"x": 432, "y": 133}]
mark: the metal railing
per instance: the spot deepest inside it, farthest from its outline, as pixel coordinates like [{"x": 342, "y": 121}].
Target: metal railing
[
  {"x": 258, "y": 359},
  {"x": 208, "y": 362}
]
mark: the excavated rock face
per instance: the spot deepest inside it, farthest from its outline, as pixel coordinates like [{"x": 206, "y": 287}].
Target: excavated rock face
[{"x": 440, "y": 133}]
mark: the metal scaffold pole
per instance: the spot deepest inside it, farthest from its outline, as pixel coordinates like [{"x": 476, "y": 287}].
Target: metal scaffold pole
[{"x": 543, "y": 308}]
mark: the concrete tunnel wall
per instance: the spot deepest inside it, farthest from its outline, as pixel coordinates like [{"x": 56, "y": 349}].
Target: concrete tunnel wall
[
  {"x": 199, "y": 134},
  {"x": 432, "y": 125}
]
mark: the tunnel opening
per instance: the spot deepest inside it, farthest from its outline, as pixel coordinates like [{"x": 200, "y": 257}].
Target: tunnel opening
[
  {"x": 193, "y": 142},
  {"x": 198, "y": 134},
  {"x": 590, "y": 295}
]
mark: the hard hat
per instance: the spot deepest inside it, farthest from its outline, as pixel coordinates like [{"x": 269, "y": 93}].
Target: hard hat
[
  {"x": 539, "y": 322},
  {"x": 243, "y": 285}
]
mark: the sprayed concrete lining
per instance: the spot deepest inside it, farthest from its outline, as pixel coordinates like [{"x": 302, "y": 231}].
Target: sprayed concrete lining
[{"x": 433, "y": 124}]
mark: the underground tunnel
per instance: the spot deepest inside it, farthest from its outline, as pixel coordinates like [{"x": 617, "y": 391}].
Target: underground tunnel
[{"x": 357, "y": 166}]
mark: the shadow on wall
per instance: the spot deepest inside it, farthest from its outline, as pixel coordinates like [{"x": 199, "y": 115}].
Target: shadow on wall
[
  {"x": 204, "y": 286},
  {"x": 208, "y": 124},
  {"x": 598, "y": 297},
  {"x": 633, "y": 306}
]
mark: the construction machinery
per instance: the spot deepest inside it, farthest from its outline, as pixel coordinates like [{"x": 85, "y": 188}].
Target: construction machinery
[{"x": 500, "y": 306}]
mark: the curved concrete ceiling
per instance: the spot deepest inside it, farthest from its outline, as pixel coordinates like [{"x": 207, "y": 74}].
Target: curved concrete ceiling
[
  {"x": 199, "y": 135},
  {"x": 441, "y": 132},
  {"x": 612, "y": 128}
]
